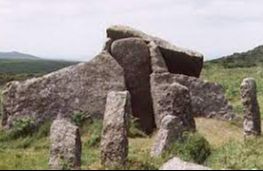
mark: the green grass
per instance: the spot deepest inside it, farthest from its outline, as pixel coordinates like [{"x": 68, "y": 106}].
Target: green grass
[
  {"x": 1, "y": 99},
  {"x": 23, "y": 153},
  {"x": 238, "y": 155},
  {"x": 231, "y": 79},
  {"x": 32, "y": 152}
]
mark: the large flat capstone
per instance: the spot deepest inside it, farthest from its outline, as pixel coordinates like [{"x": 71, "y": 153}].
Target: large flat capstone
[{"x": 178, "y": 60}]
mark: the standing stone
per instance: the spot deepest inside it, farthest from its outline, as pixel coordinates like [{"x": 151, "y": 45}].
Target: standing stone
[
  {"x": 172, "y": 99},
  {"x": 114, "y": 143},
  {"x": 169, "y": 132},
  {"x": 65, "y": 146},
  {"x": 252, "y": 120},
  {"x": 133, "y": 55}
]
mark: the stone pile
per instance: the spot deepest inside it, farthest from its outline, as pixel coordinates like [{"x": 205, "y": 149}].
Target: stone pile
[{"x": 131, "y": 60}]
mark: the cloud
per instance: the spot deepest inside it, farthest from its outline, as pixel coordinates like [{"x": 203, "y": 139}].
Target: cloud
[{"x": 73, "y": 29}]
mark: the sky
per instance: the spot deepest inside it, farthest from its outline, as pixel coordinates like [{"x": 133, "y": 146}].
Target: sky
[{"x": 75, "y": 29}]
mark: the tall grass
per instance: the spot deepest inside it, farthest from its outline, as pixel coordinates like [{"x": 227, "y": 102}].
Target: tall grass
[{"x": 231, "y": 79}]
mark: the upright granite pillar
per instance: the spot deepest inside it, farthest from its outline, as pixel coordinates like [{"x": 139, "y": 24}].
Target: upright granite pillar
[
  {"x": 133, "y": 55},
  {"x": 252, "y": 119},
  {"x": 65, "y": 150},
  {"x": 114, "y": 142}
]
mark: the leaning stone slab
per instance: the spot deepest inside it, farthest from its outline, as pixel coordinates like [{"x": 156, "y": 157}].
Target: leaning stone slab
[
  {"x": 133, "y": 55},
  {"x": 157, "y": 61},
  {"x": 170, "y": 131},
  {"x": 80, "y": 88},
  {"x": 65, "y": 150},
  {"x": 178, "y": 60},
  {"x": 178, "y": 164},
  {"x": 114, "y": 142},
  {"x": 252, "y": 119}
]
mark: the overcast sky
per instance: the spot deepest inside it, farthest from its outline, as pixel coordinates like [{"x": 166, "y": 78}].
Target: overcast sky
[{"x": 75, "y": 29}]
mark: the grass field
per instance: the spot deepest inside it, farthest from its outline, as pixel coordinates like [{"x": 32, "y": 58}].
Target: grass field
[{"x": 225, "y": 139}]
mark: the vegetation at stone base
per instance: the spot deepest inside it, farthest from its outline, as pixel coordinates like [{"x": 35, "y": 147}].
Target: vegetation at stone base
[
  {"x": 238, "y": 155},
  {"x": 135, "y": 131},
  {"x": 225, "y": 139},
  {"x": 79, "y": 118},
  {"x": 1, "y": 104},
  {"x": 228, "y": 148},
  {"x": 231, "y": 79},
  {"x": 193, "y": 147},
  {"x": 33, "y": 150}
]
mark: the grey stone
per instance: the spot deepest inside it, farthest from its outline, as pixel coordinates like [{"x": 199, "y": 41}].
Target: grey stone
[
  {"x": 133, "y": 55},
  {"x": 178, "y": 60},
  {"x": 252, "y": 119},
  {"x": 178, "y": 164},
  {"x": 114, "y": 142},
  {"x": 157, "y": 61},
  {"x": 171, "y": 99},
  {"x": 65, "y": 150},
  {"x": 80, "y": 88},
  {"x": 107, "y": 45},
  {"x": 170, "y": 131},
  {"x": 207, "y": 99}
]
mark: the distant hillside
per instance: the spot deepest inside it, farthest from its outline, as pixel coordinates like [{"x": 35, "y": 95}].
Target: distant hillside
[
  {"x": 28, "y": 66},
  {"x": 246, "y": 59},
  {"x": 17, "y": 55},
  {"x": 19, "y": 66}
]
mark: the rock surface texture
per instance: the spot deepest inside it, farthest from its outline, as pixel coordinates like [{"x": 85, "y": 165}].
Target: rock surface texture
[
  {"x": 133, "y": 55},
  {"x": 114, "y": 142},
  {"x": 178, "y": 164},
  {"x": 80, "y": 88},
  {"x": 207, "y": 99},
  {"x": 252, "y": 119},
  {"x": 65, "y": 150},
  {"x": 170, "y": 131},
  {"x": 178, "y": 60},
  {"x": 172, "y": 99}
]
